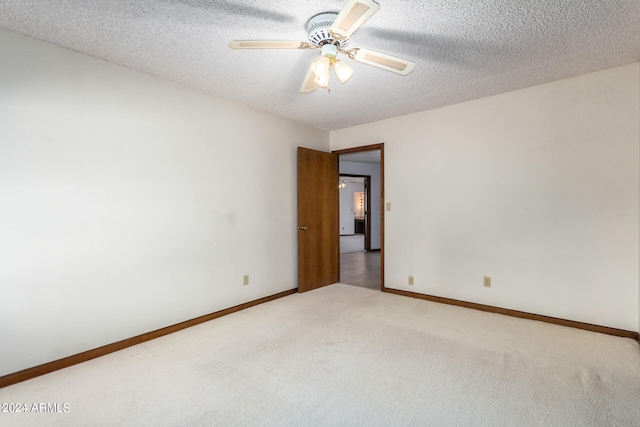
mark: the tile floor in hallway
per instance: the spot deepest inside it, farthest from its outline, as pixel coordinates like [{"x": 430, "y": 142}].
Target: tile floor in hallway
[{"x": 360, "y": 269}]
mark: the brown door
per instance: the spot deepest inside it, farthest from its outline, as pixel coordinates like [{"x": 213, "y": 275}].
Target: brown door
[{"x": 318, "y": 219}]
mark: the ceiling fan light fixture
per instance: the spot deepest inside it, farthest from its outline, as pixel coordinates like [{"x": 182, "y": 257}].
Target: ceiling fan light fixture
[
  {"x": 323, "y": 81},
  {"x": 343, "y": 71},
  {"x": 321, "y": 66}
]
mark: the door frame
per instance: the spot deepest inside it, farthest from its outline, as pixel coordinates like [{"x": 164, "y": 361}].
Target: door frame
[
  {"x": 367, "y": 184},
  {"x": 372, "y": 147}
]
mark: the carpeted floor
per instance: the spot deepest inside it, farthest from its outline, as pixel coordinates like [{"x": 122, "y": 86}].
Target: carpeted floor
[{"x": 344, "y": 355}]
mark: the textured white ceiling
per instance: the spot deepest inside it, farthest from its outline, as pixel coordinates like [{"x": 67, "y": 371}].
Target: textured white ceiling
[{"x": 464, "y": 49}]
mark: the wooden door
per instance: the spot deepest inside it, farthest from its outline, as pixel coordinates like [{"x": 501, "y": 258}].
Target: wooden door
[{"x": 318, "y": 219}]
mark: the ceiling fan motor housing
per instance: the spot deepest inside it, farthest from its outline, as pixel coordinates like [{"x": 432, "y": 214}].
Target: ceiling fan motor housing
[{"x": 318, "y": 29}]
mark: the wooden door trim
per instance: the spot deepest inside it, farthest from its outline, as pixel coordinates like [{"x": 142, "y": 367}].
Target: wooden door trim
[{"x": 373, "y": 147}]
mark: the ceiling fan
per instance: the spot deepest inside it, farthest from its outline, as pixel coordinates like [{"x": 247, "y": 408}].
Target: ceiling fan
[{"x": 330, "y": 32}]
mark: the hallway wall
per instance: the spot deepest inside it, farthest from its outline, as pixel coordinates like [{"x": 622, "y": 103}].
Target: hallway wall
[{"x": 374, "y": 171}]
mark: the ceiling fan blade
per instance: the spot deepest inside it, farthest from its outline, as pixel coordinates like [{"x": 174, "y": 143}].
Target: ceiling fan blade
[
  {"x": 268, "y": 44},
  {"x": 308, "y": 85},
  {"x": 352, "y": 16},
  {"x": 382, "y": 60}
]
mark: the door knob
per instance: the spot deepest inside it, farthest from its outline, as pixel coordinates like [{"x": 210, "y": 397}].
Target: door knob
[{"x": 302, "y": 227}]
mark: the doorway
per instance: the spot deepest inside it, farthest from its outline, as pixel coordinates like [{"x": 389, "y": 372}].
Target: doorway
[
  {"x": 355, "y": 210},
  {"x": 361, "y": 171}
]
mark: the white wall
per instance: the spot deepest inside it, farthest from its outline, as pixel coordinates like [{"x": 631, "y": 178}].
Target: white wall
[
  {"x": 537, "y": 188},
  {"x": 350, "y": 244},
  {"x": 128, "y": 203},
  {"x": 357, "y": 168}
]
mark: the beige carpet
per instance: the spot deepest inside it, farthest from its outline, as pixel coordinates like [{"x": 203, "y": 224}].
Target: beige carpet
[{"x": 344, "y": 355}]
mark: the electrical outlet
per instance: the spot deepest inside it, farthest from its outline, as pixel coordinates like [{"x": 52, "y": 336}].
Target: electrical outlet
[
  {"x": 245, "y": 280},
  {"x": 486, "y": 282},
  {"x": 411, "y": 280}
]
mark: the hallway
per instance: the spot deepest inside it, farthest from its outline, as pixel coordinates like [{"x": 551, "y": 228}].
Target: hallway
[{"x": 360, "y": 269}]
